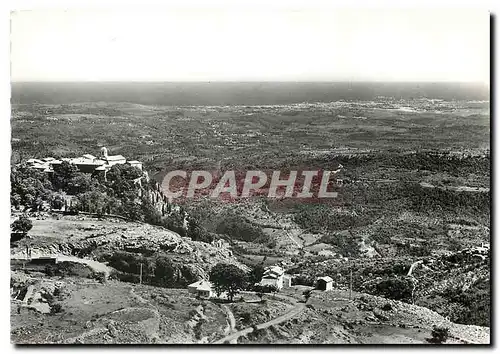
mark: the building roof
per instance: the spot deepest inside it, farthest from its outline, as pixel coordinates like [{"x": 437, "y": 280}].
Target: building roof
[
  {"x": 89, "y": 156},
  {"x": 205, "y": 286},
  {"x": 34, "y": 161},
  {"x": 133, "y": 162},
  {"x": 274, "y": 270},
  {"x": 84, "y": 161},
  {"x": 326, "y": 279},
  {"x": 202, "y": 285},
  {"x": 115, "y": 158}
]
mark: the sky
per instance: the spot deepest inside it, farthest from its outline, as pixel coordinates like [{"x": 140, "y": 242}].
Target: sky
[{"x": 251, "y": 45}]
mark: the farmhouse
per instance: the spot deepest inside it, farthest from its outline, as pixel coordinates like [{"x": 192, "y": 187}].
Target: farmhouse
[
  {"x": 324, "y": 283},
  {"x": 275, "y": 276},
  {"x": 202, "y": 288}
]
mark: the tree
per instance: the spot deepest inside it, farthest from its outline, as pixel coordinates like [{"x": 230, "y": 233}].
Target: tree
[
  {"x": 228, "y": 278},
  {"x": 22, "y": 225},
  {"x": 164, "y": 271},
  {"x": 28, "y": 186},
  {"x": 196, "y": 232},
  {"x": 396, "y": 288},
  {"x": 63, "y": 174},
  {"x": 120, "y": 180},
  {"x": 80, "y": 183},
  {"x": 57, "y": 201},
  {"x": 255, "y": 275},
  {"x": 93, "y": 202},
  {"x": 307, "y": 294}
]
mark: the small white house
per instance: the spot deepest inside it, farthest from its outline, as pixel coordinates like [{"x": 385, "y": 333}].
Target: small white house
[
  {"x": 202, "y": 288},
  {"x": 324, "y": 283}
]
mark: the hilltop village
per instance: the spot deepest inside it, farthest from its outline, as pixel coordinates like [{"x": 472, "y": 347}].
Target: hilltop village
[{"x": 87, "y": 163}]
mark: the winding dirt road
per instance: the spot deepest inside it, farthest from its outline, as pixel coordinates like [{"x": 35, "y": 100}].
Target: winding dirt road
[{"x": 298, "y": 307}]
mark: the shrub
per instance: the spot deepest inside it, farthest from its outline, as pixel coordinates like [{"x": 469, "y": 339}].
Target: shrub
[
  {"x": 387, "y": 307},
  {"x": 267, "y": 289},
  {"x": 245, "y": 317},
  {"x": 395, "y": 288},
  {"x": 56, "y": 308},
  {"x": 439, "y": 334},
  {"x": 22, "y": 225}
]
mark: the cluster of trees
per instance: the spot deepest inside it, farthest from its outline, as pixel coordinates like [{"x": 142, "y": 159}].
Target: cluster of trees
[
  {"x": 239, "y": 228},
  {"x": 347, "y": 243},
  {"x": 437, "y": 161},
  {"x": 29, "y": 188},
  {"x": 396, "y": 288},
  {"x": 157, "y": 270},
  {"x": 427, "y": 200},
  {"x": 319, "y": 218}
]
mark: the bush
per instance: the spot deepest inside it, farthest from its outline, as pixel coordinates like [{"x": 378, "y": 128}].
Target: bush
[
  {"x": 395, "y": 288},
  {"x": 55, "y": 308},
  {"x": 307, "y": 294},
  {"x": 246, "y": 317},
  {"x": 265, "y": 289},
  {"x": 387, "y": 307},
  {"x": 439, "y": 334},
  {"x": 22, "y": 225}
]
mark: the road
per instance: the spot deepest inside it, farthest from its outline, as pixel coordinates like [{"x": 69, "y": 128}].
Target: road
[
  {"x": 298, "y": 307},
  {"x": 231, "y": 322}
]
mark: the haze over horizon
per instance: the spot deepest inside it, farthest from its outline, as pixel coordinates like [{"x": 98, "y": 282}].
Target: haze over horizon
[{"x": 361, "y": 45}]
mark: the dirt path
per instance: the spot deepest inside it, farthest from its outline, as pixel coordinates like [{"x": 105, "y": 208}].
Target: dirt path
[
  {"x": 299, "y": 245},
  {"x": 297, "y": 308},
  {"x": 231, "y": 322},
  {"x": 412, "y": 267},
  {"x": 230, "y": 316}
]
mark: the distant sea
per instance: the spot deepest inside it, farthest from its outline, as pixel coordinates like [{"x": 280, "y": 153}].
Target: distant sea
[{"x": 237, "y": 93}]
